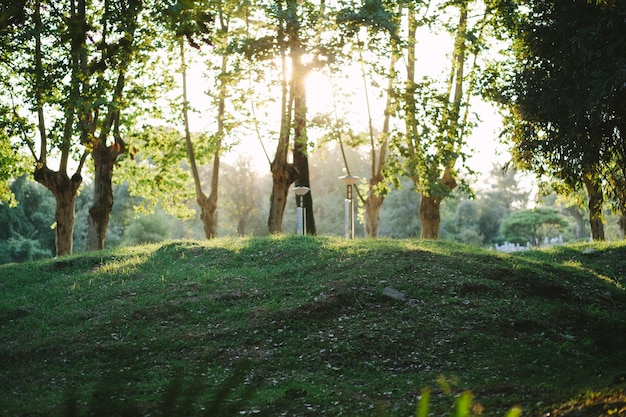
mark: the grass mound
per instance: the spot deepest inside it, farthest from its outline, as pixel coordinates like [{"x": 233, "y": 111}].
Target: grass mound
[{"x": 297, "y": 326}]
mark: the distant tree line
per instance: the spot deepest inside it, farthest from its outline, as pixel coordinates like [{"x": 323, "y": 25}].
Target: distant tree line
[
  {"x": 96, "y": 104},
  {"x": 498, "y": 213}
]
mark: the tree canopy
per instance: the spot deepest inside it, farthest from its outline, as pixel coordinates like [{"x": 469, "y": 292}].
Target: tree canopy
[
  {"x": 566, "y": 95},
  {"x": 87, "y": 84}
]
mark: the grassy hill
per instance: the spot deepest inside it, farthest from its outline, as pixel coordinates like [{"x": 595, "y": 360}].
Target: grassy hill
[{"x": 314, "y": 326}]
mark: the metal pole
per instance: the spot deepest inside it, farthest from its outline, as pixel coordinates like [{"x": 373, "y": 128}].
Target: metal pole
[
  {"x": 300, "y": 210},
  {"x": 303, "y": 214},
  {"x": 347, "y": 217},
  {"x": 349, "y": 180},
  {"x": 351, "y": 211},
  {"x": 299, "y": 222}
]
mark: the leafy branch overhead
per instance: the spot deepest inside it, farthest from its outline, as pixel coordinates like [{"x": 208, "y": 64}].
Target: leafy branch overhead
[{"x": 192, "y": 20}]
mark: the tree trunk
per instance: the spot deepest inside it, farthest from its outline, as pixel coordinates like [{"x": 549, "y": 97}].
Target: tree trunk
[
  {"x": 104, "y": 156},
  {"x": 594, "y": 194},
  {"x": 578, "y": 216},
  {"x": 58, "y": 182},
  {"x": 372, "y": 206},
  {"x": 208, "y": 215},
  {"x": 64, "y": 190},
  {"x": 208, "y": 205},
  {"x": 283, "y": 175},
  {"x": 430, "y": 217},
  {"x": 300, "y": 151},
  {"x": 241, "y": 227},
  {"x": 100, "y": 211},
  {"x": 374, "y": 201}
]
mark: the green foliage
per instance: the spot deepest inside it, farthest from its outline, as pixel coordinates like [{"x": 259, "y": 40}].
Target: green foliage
[
  {"x": 12, "y": 162},
  {"x": 490, "y": 220},
  {"x": 192, "y": 20},
  {"x": 372, "y": 14},
  {"x": 399, "y": 216},
  {"x": 435, "y": 110},
  {"x": 25, "y": 230},
  {"x": 533, "y": 225},
  {"x": 422, "y": 407},
  {"x": 565, "y": 87},
  {"x": 21, "y": 249},
  {"x": 156, "y": 172},
  {"x": 151, "y": 228}
]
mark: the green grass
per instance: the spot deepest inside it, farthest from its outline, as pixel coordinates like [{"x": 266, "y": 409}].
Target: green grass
[{"x": 299, "y": 326}]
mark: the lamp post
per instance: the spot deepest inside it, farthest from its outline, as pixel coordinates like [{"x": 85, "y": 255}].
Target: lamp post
[
  {"x": 349, "y": 180},
  {"x": 301, "y": 211}
]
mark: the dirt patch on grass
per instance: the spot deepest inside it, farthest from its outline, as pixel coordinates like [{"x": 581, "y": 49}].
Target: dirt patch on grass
[{"x": 335, "y": 298}]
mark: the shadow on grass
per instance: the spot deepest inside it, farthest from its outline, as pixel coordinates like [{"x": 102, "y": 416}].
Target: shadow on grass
[{"x": 183, "y": 396}]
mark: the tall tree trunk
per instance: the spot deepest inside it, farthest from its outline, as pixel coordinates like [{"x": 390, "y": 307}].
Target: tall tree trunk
[
  {"x": 241, "y": 227},
  {"x": 104, "y": 158},
  {"x": 208, "y": 216},
  {"x": 99, "y": 212},
  {"x": 596, "y": 200},
  {"x": 64, "y": 190},
  {"x": 374, "y": 201},
  {"x": 430, "y": 204},
  {"x": 300, "y": 151},
  {"x": 207, "y": 204},
  {"x": 103, "y": 154},
  {"x": 58, "y": 182},
  {"x": 283, "y": 173}
]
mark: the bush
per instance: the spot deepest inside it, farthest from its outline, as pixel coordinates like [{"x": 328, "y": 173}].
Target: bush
[{"x": 20, "y": 249}]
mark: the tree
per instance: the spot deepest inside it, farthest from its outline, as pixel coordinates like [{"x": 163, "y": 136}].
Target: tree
[
  {"x": 155, "y": 170},
  {"x": 490, "y": 219},
  {"x": 12, "y": 16},
  {"x": 572, "y": 203},
  {"x": 47, "y": 88},
  {"x": 68, "y": 66},
  {"x": 436, "y": 120},
  {"x": 382, "y": 25},
  {"x": 533, "y": 225},
  {"x": 296, "y": 44},
  {"x": 504, "y": 195},
  {"x": 565, "y": 95},
  {"x": 191, "y": 21},
  {"x": 121, "y": 41}
]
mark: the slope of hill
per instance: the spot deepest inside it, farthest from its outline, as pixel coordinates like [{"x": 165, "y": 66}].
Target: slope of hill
[{"x": 318, "y": 326}]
